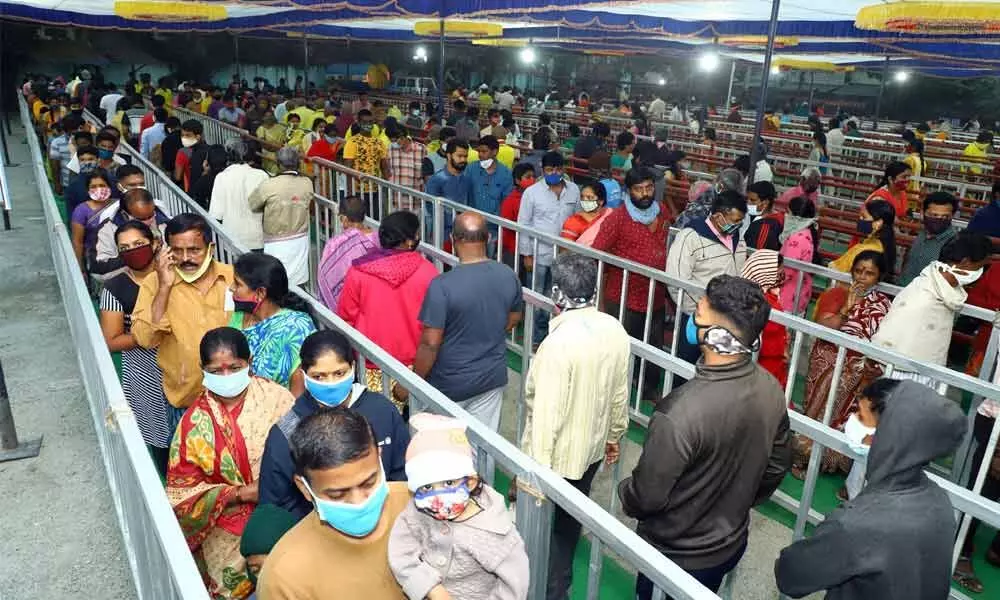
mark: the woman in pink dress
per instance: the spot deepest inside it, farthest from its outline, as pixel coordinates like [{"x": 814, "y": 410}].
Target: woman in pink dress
[{"x": 799, "y": 241}]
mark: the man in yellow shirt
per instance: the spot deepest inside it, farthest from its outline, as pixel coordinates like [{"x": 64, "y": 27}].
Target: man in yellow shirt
[
  {"x": 187, "y": 296},
  {"x": 162, "y": 89},
  {"x": 337, "y": 551},
  {"x": 576, "y": 396},
  {"x": 365, "y": 152}
]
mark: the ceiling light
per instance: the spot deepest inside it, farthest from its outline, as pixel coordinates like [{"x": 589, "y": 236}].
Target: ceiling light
[{"x": 709, "y": 61}]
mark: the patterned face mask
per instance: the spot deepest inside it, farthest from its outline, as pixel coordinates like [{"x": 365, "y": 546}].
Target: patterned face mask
[
  {"x": 446, "y": 503},
  {"x": 719, "y": 339},
  {"x": 564, "y": 302}
]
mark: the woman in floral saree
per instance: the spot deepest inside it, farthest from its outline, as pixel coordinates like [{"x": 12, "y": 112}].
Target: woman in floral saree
[
  {"x": 857, "y": 311},
  {"x": 215, "y": 459}
]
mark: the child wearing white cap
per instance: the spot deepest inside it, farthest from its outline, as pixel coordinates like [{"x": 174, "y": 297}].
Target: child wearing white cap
[{"x": 456, "y": 539}]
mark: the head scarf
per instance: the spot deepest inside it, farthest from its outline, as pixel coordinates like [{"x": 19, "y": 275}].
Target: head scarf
[{"x": 762, "y": 268}]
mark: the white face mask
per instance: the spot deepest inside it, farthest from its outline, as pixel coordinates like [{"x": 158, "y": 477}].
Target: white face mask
[
  {"x": 965, "y": 278},
  {"x": 589, "y": 205},
  {"x": 486, "y": 164},
  {"x": 753, "y": 210},
  {"x": 856, "y": 432},
  {"x": 187, "y": 142}
]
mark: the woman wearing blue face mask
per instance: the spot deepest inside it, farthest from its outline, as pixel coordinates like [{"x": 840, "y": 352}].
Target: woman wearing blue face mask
[
  {"x": 329, "y": 372},
  {"x": 215, "y": 459}
]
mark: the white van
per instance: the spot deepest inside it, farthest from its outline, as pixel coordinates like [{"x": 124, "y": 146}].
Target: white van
[{"x": 414, "y": 86}]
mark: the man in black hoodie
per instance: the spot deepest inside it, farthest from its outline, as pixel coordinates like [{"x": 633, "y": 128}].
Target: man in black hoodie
[
  {"x": 716, "y": 446},
  {"x": 894, "y": 541}
]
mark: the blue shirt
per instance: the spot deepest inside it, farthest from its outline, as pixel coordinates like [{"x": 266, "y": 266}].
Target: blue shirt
[
  {"x": 486, "y": 191},
  {"x": 986, "y": 220},
  {"x": 543, "y": 210},
  {"x": 151, "y": 138},
  {"x": 450, "y": 187}
]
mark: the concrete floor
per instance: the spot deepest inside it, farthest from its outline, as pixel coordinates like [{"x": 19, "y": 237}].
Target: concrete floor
[
  {"x": 59, "y": 534},
  {"x": 753, "y": 579}
]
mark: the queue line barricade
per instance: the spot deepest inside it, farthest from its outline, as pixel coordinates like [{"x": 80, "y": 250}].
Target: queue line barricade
[
  {"x": 433, "y": 215},
  {"x": 542, "y": 486},
  {"x": 383, "y": 198},
  {"x": 539, "y": 488},
  {"x": 161, "y": 565},
  {"x": 214, "y": 131}
]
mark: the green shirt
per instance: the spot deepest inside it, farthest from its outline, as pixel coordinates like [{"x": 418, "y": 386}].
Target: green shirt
[{"x": 924, "y": 251}]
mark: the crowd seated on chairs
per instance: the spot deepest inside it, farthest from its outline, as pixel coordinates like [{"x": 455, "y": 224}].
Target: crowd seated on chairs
[{"x": 228, "y": 379}]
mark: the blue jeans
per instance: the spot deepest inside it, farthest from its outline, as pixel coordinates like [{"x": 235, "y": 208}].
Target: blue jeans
[{"x": 543, "y": 285}]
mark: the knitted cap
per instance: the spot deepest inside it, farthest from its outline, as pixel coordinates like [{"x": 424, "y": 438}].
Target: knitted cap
[{"x": 438, "y": 451}]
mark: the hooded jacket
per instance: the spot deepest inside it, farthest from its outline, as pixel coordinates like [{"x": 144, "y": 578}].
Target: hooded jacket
[
  {"x": 894, "y": 541},
  {"x": 919, "y": 324},
  {"x": 382, "y": 295},
  {"x": 716, "y": 446}
]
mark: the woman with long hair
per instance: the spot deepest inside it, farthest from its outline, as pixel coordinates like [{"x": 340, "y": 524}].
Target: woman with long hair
[
  {"x": 893, "y": 187},
  {"x": 914, "y": 159},
  {"x": 875, "y": 223},
  {"x": 274, "y": 320}
]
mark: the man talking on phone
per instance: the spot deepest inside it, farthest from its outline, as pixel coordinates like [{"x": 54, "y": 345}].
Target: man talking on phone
[{"x": 188, "y": 295}]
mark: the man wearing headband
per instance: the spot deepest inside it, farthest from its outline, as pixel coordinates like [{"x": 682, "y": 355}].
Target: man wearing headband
[{"x": 716, "y": 446}]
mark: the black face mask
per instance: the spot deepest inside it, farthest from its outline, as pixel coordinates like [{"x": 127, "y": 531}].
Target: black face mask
[
  {"x": 642, "y": 202},
  {"x": 936, "y": 225}
]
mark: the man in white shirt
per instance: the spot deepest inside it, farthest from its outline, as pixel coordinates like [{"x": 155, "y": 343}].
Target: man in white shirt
[
  {"x": 834, "y": 137},
  {"x": 576, "y": 397},
  {"x": 109, "y": 101},
  {"x": 230, "y": 203},
  {"x": 505, "y": 99},
  {"x": 657, "y": 107}
]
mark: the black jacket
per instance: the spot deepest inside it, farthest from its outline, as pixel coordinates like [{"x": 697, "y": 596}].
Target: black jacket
[
  {"x": 894, "y": 541},
  {"x": 276, "y": 468},
  {"x": 716, "y": 446}
]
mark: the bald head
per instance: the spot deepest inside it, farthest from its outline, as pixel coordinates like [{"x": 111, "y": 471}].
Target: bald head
[{"x": 470, "y": 228}]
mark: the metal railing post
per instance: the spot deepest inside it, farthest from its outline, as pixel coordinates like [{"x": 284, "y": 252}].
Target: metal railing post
[
  {"x": 10, "y": 447},
  {"x": 534, "y": 522}
]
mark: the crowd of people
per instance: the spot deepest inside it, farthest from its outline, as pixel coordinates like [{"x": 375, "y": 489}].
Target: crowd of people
[{"x": 296, "y": 471}]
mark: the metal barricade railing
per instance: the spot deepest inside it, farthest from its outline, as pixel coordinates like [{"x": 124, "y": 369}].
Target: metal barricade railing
[
  {"x": 5, "y": 203},
  {"x": 539, "y": 488},
  {"x": 433, "y": 220},
  {"x": 214, "y": 130},
  {"x": 161, "y": 564},
  {"x": 333, "y": 181}
]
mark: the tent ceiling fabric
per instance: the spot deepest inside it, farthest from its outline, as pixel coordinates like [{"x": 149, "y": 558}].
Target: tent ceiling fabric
[{"x": 820, "y": 30}]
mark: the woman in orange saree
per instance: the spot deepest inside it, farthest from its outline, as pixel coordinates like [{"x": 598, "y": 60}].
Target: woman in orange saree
[{"x": 215, "y": 459}]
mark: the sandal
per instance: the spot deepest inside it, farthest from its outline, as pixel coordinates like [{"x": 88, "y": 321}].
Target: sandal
[
  {"x": 798, "y": 473},
  {"x": 842, "y": 494},
  {"x": 966, "y": 577}
]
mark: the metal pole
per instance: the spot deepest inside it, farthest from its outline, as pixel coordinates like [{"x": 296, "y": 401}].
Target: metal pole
[
  {"x": 236, "y": 50},
  {"x": 765, "y": 74},
  {"x": 881, "y": 88},
  {"x": 10, "y": 448},
  {"x": 305, "y": 61},
  {"x": 440, "y": 109},
  {"x": 729, "y": 92},
  {"x": 812, "y": 90}
]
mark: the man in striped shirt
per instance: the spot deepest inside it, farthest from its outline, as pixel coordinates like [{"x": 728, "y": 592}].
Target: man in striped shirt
[{"x": 576, "y": 398}]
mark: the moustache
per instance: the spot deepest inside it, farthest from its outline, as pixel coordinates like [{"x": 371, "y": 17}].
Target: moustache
[{"x": 188, "y": 265}]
